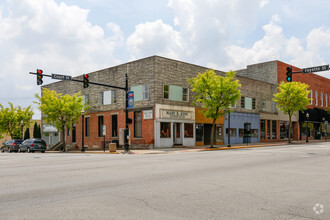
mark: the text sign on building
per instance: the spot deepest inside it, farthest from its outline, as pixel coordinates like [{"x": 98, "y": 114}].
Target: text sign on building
[
  {"x": 315, "y": 69},
  {"x": 130, "y": 99},
  {"x": 176, "y": 114},
  {"x": 61, "y": 77},
  {"x": 148, "y": 114}
]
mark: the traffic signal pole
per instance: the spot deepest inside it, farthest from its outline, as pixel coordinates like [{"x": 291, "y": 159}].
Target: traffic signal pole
[
  {"x": 126, "y": 133},
  {"x": 65, "y": 77}
]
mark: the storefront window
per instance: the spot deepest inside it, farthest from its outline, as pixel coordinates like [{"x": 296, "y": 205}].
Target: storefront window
[
  {"x": 199, "y": 132},
  {"x": 233, "y": 132},
  {"x": 165, "y": 129},
  {"x": 188, "y": 130},
  {"x": 274, "y": 130},
  {"x": 254, "y": 132},
  {"x": 268, "y": 129},
  {"x": 262, "y": 130},
  {"x": 138, "y": 124},
  {"x": 219, "y": 136}
]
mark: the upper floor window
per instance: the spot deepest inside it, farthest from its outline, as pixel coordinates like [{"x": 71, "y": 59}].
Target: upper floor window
[
  {"x": 85, "y": 99},
  {"x": 326, "y": 100},
  {"x": 108, "y": 97},
  {"x": 321, "y": 98},
  {"x": 264, "y": 105},
  {"x": 166, "y": 93},
  {"x": 141, "y": 92},
  {"x": 175, "y": 93},
  {"x": 316, "y": 98},
  {"x": 248, "y": 103},
  {"x": 311, "y": 97}
]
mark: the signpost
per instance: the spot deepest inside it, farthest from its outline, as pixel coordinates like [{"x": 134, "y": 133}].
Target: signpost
[{"x": 315, "y": 69}]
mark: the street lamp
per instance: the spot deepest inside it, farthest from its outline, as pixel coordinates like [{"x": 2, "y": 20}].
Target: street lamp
[
  {"x": 307, "y": 116},
  {"x": 228, "y": 145},
  {"x": 82, "y": 130},
  {"x": 22, "y": 123}
]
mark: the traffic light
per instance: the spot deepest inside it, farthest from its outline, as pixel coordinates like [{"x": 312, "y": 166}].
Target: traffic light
[
  {"x": 289, "y": 74},
  {"x": 86, "y": 80},
  {"x": 39, "y": 77}
]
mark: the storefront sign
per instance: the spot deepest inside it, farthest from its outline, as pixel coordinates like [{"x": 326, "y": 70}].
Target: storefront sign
[
  {"x": 148, "y": 114},
  {"x": 176, "y": 114}
]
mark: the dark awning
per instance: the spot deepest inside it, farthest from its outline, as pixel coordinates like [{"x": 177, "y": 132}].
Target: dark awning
[{"x": 315, "y": 114}]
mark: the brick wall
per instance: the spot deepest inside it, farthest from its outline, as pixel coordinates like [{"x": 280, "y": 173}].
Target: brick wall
[{"x": 315, "y": 82}]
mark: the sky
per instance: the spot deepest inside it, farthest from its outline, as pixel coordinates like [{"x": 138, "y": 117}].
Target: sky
[{"x": 73, "y": 37}]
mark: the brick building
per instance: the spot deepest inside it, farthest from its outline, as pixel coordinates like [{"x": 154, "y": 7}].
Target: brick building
[
  {"x": 164, "y": 115},
  {"x": 275, "y": 127}
]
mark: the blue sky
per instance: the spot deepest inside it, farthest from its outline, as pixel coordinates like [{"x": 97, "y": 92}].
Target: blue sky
[{"x": 73, "y": 37}]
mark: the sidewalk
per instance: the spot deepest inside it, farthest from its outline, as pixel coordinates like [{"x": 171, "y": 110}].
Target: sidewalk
[{"x": 201, "y": 148}]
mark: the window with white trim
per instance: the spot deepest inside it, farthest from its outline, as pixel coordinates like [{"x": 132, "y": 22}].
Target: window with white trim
[
  {"x": 321, "y": 98},
  {"x": 108, "y": 97},
  {"x": 175, "y": 93},
  {"x": 248, "y": 103},
  {"x": 316, "y": 98},
  {"x": 311, "y": 97}
]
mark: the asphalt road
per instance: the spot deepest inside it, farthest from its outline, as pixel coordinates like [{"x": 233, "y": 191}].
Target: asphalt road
[{"x": 283, "y": 182}]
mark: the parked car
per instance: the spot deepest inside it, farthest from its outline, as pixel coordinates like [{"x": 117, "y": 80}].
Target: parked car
[
  {"x": 32, "y": 145},
  {"x": 11, "y": 145}
]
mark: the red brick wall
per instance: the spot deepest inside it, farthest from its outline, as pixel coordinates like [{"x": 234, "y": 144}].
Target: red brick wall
[
  {"x": 315, "y": 82},
  {"x": 94, "y": 140}
]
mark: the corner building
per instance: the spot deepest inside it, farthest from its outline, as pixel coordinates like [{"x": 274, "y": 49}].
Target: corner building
[{"x": 163, "y": 114}]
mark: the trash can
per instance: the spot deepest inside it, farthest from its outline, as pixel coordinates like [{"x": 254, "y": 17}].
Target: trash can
[{"x": 112, "y": 147}]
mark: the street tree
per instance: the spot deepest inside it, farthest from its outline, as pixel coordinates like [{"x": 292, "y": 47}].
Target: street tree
[
  {"x": 291, "y": 98},
  {"x": 14, "y": 119},
  {"x": 215, "y": 93},
  {"x": 60, "y": 110}
]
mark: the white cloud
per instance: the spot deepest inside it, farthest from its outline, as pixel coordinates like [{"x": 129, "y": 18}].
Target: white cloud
[
  {"x": 268, "y": 48},
  {"x": 54, "y": 37},
  {"x": 155, "y": 38}
]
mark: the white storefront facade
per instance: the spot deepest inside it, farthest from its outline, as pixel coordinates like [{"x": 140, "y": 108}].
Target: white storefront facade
[{"x": 174, "y": 126}]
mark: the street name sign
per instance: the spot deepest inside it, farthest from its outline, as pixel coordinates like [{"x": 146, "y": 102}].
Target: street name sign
[
  {"x": 315, "y": 69},
  {"x": 61, "y": 77}
]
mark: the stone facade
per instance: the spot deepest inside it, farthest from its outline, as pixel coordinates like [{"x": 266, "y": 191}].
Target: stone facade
[{"x": 258, "y": 81}]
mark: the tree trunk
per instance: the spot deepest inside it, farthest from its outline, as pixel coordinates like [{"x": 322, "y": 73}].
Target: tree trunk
[
  {"x": 63, "y": 138},
  {"x": 290, "y": 115},
  {"x": 212, "y": 133}
]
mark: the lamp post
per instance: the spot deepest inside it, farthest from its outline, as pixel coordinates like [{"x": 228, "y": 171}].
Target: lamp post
[
  {"x": 22, "y": 123},
  {"x": 307, "y": 116},
  {"x": 228, "y": 145},
  {"x": 82, "y": 130}
]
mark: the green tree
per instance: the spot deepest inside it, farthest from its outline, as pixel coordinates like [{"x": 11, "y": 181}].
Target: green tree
[
  {"x": 39, "y": 132},
  {"x": 60, "y": 110},
  {"x": 14, "y": 119},
  {"x": 291, "y": 98},
  {"x": 215, "y": 93},
  {"x": 27, "y": 133}
]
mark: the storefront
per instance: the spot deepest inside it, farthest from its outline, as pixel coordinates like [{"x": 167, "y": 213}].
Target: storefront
[
  {"x": 204, "y": 128},
  {"x": 314, "y": 123},
  {"x": 244, "y": 128},
  {"x": 175, "y": 126}
]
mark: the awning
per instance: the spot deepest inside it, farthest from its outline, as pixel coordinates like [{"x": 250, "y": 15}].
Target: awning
[{"x": 315, "y": 114}]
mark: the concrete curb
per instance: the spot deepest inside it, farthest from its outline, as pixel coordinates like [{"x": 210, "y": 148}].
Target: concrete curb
[{"x": 192, "y": 149}]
